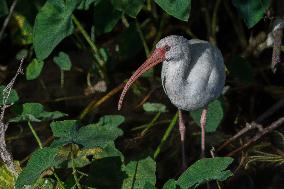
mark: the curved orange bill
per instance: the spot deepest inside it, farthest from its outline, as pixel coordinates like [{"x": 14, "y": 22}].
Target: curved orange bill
[{"x": 155, "y": 58}]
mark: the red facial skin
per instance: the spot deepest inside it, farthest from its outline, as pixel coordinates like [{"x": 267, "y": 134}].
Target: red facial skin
[{"x": 155, "y": 58}]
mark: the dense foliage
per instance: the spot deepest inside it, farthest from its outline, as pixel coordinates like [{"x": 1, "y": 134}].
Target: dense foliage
[{"x": 65, "y": 132}]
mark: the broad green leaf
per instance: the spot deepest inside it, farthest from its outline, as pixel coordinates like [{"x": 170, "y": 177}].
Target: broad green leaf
[
  {"x": 94, "y": 135},
  {"x": 65, "y": 129},
  {"x": 34, "y": 112},
  {"x": 82, "y": 157},
  {"x": 85, "y": 4},
  {"x": 63, "y": 61},
  {"x": 34, "y": 69},
  {"x": 205, "y": 170},
  {"x": 105, "y": 21},
  {"x": 139, "y": 172},
  {"x": 47, "y": 116},
  {"x": 3, "y": 8},
  {"x": 251, "y": 11},
  {"x": 214, "y": 116},
  {"x": 109, "y": 151},
  {"x": 90, "y": 136},
  {"x": 130, "y": 7},
  {"x": 7, "y": 179},
  {"x": 149, "y": 186},
  {"x": 52, "y": 24},
  {"x": 154, "y": 107},
  {"x": 170, "y": 184},
  {"x": 111, "y": 120},
  {"x": 12, "y": 98},
  {"x": 179, "y": 8},
  {"x": 241, "y": 69},
  {"x": 41, "y": 160}
]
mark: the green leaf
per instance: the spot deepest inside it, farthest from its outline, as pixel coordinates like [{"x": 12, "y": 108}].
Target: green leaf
[
  {"x": 205, "y": 170},
  {"x": 109, "y": 151},
  {"x": 111, "y": 120},
  {"x": 12, "y": 98},
  {"x": 170, "y": 184},
  {"x": 130, "y": 7},
  {"x": 52, "y": 24},
  {"x": 90, "y": 136},
  {"x": 179, "y": 9},
  {"x": 34, "y": 69},
  {"x": 149, "y": 186},
  {"x": 139, "y": 172},
  {"x": 214, "y": 116},
  {"x": 47, "y": 116},
  {"x": 66, "y": 130},
  {"x": 34, "y": 112},
  {"x": 85, "y": 4},
  {"x": 41, "y": 160},
  {"x": 3, "y": 8},
  {"x": 94, "y": 135},
  {"x": 63, "y": 61},
  {"x": 105, "y": 21},
  {"x": 241, "y": 69},
  {"x": 154, "y": 107},
  {"x": 252, "y": 11}
]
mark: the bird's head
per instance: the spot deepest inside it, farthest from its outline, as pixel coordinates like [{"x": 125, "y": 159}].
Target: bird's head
[{"x": 168, "y": 49}]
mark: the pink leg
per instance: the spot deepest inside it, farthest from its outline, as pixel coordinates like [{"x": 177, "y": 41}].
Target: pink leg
[
  {"x": 202, "y": 125},
  {"x": 182, "y": 138}
]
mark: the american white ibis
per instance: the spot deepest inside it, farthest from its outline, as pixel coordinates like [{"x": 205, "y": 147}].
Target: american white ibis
[{"x": 193, "y": 74}]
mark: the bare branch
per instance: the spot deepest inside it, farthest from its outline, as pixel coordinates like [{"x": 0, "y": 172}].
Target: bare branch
[
  {"x": 260, "y": 134},
  {"x": 6, "y": 21},
  {"x": 4, "y": 154}
]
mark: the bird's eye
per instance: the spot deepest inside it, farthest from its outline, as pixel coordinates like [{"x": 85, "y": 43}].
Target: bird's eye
[{"x": 167, "y": 47}]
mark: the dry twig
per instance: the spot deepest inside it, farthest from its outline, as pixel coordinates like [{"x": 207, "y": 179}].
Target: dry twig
[{"x": 4, "y": 154}]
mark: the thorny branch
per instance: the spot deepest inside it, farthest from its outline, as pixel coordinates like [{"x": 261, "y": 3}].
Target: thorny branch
[{"x": 4, "y": 154}]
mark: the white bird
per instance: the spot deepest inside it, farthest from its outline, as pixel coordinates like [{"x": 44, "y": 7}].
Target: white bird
[{"x": 193, "y": 74}]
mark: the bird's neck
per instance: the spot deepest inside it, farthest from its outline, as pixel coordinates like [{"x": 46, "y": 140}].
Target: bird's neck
[{"x": 175, "y": 73}]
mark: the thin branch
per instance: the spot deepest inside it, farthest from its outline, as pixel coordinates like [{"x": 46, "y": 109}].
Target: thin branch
[
  {"x": 6, "y": 21},
  {"x": 260, "y": 134}
]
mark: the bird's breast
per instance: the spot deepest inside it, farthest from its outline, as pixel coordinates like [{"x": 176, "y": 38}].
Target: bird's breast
[{"x": 191, "y": 85}]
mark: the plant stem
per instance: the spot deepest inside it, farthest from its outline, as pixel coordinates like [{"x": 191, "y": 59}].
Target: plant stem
[
  {"x": 6, "y": 21},
  {"x": 61, "y": 78},
  {"x": 151, "y": 124},
  {"x": 35, "y": 135},
  {"x": 214, "y": 22},
  {"x": 146, "y": 48},
  {"x": 166, "y": 135},
  {"x": 74, "y": 172},
  {"x": 58, "y": 179},
  {"x": 100, "y": 64}
]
